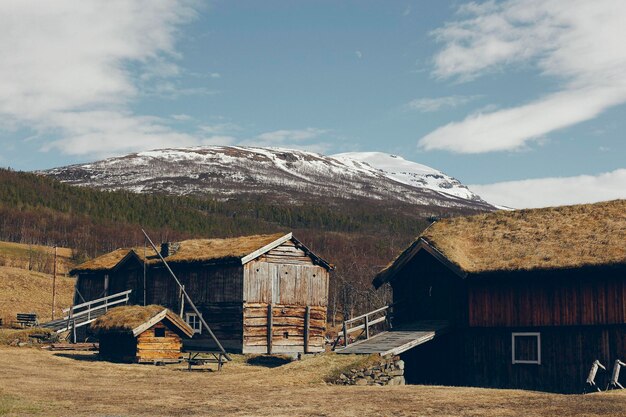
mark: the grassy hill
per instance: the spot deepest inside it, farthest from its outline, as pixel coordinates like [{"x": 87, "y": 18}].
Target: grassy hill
[
  {"x": 26, "y": 291},
  {"x": 35, "y": 257}
]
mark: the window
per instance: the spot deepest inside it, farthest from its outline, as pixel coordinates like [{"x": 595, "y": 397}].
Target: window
[
  {"x": 159, "y": 332},
  {"x": 194, "y": 322},
  {"x": 526, "y": 348}
]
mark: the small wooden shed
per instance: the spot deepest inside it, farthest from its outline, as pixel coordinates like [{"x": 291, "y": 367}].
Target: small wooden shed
[
  {"x": 259, "y": 294},
  {"x": 151, "y": 334}
]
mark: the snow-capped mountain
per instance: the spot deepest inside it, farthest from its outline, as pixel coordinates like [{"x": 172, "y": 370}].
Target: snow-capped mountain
[{"x": 290, "y": 175}]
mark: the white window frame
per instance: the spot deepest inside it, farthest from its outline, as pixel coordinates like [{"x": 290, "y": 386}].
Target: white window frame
[
  {"x": 526, "y": 334},
  {"x": 196, "y": 325}
]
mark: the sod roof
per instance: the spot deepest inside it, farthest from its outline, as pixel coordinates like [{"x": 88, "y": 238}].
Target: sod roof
[
  {"x": 127, "y": 319},
  {"x": 547, "y": 238},
  {"x": 194, "y": 250}
]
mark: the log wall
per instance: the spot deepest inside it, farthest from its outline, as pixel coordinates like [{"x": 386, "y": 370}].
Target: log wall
[
  {"x": 287, "y": 328},
  {"x": 158, "y": 349}
]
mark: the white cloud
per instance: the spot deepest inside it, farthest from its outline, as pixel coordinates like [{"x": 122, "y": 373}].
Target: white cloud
[
  {"x": 306, "y": 139},
  {"x": 215, "y": 75},
  {"x": 182, "y": 117},
  {"x": 431, "y": 104},
  {"x": 358, "y": 54},
  {"x": 544, "y": 192},
  {"x": 220, "y": 128},
  {"x": 577, "y": 42},
  {"x": 65, "y": 71},
  {"x": 283, "y": 136}
]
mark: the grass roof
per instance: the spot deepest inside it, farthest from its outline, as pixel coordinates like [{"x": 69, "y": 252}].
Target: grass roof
[
  {"x": 126, "y": 319},
  {"x": 547, "y": 238},
  {"x": 220, "y": 249},
  {"x": 193, "y": 250},
  {"x": 104, "y": 262}
]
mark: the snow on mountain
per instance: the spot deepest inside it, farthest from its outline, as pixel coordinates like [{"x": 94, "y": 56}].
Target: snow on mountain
[
  {"x": 410, "y": 173},
  {"x": 288, "y": 175}
]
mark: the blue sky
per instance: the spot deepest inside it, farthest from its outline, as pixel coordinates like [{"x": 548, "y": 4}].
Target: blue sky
[{"x": 523, "y": 100}]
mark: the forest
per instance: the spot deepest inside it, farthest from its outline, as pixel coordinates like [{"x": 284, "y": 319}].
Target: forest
[{"x": 359, "y": 237}]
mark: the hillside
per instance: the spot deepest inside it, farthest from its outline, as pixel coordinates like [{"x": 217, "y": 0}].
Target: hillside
[
  {"x": 35, "y": 257},
  {"x": 23, "y": 291},
  {"x": 358, "y": 236},
  {"x": 291, "y": 176}
]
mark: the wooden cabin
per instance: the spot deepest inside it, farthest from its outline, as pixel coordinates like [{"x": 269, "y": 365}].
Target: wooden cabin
[
  {"x": 151, "y": 334},
  {"x": 531, "y": 297},
  {"x": 259, "y": 294}
]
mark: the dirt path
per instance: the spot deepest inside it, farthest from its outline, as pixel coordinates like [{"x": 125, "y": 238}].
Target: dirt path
[{"x": 40, "y": 383}]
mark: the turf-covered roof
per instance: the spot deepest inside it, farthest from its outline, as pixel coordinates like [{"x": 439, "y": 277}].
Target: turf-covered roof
[
  {"x": 226, "y": 250},
  {"x": 136, "y": 319},
  {"x": 546, "y": 238}
]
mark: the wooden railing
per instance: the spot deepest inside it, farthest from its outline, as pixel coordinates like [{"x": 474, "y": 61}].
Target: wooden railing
[
  {"x": 363, "y": 323},
  {"x": 83, "y": 314}
]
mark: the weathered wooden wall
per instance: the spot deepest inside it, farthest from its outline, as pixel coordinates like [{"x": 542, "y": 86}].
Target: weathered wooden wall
[
  {"x": 216, "y": 290},
  {"x": 288, "y": 280},
  {"x": 567, "y": 353},
  {"x": 285, "y": 275},
  {"x": 585, "y": 296},
  {"x": 427, "y": 290},
  {"x": 158, "y": 349},
  {"x": 90, "y": 285}
]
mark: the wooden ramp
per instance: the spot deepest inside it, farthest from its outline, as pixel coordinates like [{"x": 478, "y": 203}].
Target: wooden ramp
[
  {"x": 83, "y": 314},
  {"x": 399, "y": 340}
]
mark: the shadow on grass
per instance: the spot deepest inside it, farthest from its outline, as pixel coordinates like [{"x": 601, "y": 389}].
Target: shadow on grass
[
  {"x": 85, "y": 357},
  {"x": 268, "y": 361}
]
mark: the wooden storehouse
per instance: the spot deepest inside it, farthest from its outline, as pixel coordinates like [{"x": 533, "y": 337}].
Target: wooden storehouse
[
  {"x": 151, "y": 334},
  {"x": 259, "y": 294},
  {"x": 531, "y": 298}
]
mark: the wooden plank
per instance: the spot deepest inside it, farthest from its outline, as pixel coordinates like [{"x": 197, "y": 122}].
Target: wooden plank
[
  {"x": 265, "y": 248},
  {"x": 306, "y": 329},
  {"x": 269, "y": 328}
]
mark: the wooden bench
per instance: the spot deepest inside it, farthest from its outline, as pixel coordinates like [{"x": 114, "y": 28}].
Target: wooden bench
[
  {"x": 194, "y": 358},
  {"x": 26, "y": 320}
]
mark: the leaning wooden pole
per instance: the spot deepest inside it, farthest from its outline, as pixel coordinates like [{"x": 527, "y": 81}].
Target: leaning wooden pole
[
  {"x": 193, "y": 306},
  {"x": 54, "y": 282}
]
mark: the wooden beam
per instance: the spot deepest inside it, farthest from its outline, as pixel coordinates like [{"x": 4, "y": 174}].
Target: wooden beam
[
  {"x": 266, "y": 248},
  {"x": 307, "y": 315},
  {"x": 269, "y": 328}
]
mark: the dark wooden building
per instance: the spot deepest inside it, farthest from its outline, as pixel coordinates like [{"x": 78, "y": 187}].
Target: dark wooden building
[
  {"x": 531, "y": 297},
  {"x": 151, "y": 334},
  {"x": 259, "y": 294}
]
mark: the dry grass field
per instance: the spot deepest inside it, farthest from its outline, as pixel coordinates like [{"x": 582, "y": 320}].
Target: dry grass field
[
  {"x": 41, "y": 383},
  {"x": 31, "y": 292},
  {"x": 39, "y": 258}
]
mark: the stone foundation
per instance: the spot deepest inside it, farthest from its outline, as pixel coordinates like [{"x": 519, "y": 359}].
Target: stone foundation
[{"x": 389, "y": 371}]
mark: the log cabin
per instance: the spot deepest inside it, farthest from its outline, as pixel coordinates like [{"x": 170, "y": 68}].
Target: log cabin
[
  {"x": 259, "y": 294},
  {"x": 531, "y": 298},
  {"x": 150, "y": 334}
]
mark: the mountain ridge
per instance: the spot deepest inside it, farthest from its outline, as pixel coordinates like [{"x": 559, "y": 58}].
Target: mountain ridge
[{"x": 291, "y": 175}]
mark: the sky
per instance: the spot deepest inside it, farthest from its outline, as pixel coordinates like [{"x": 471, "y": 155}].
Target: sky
[{"x": 522, "y": 100}]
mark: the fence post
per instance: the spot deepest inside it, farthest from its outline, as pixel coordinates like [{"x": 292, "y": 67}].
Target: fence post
[
  {"x": 345, "y": 334},
  {"x": 367, "y": 327}
]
